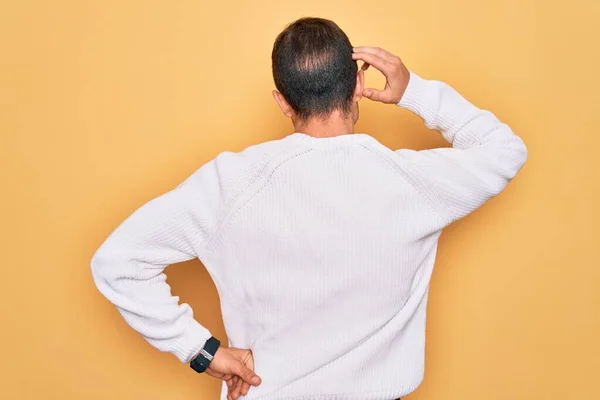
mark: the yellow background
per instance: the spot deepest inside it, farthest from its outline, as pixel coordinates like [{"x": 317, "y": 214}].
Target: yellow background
[{"x": 107, "y": 104}]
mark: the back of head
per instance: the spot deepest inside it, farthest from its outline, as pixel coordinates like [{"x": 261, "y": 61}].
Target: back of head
[{"x": 313, "y": 67}]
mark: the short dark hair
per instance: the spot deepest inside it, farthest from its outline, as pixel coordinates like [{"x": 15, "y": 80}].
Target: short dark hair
[{"x": 313, "y": 67}]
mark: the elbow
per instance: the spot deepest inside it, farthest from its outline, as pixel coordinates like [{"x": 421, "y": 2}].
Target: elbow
[
  {"x": 512, "y": 156},
  {"x": 105, "y": 266},
  {"x": 520, "y": 154},
  {"x": 100, "y": 269},
  {"x": 522, "y": 150},
  {"x": 509, "y": 162}
]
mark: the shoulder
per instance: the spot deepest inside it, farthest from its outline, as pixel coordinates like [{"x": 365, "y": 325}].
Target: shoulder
[
  {"x": 255, "y": 154},
  {"x": 232, "y": 171}
]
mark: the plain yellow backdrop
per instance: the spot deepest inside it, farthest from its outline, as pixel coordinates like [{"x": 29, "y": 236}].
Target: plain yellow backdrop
[{"x": 107, "y": 104}]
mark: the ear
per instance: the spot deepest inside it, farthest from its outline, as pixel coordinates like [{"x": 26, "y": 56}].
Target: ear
[
  {"x": 360, "y": 85},
  {"x": 283, "y": 104}
]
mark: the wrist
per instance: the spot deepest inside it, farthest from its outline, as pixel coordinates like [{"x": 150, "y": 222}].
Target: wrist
[
  {"x": 416, "y": 95},
  {"x": 201, "y": 360}
]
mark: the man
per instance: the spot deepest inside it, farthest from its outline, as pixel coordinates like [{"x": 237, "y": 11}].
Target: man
[{"x": 321, "y": 244}]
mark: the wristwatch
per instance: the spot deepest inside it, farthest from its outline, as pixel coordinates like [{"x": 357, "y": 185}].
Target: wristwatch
[{"x": 201, "y": 361}]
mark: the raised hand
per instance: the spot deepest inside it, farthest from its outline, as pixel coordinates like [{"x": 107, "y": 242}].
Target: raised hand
[
  {"x": 391, "y": 66},
  {"x": 236, "y": 366}
]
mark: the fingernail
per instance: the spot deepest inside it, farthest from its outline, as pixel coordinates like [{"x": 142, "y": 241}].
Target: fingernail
[{"x": 255, "y": 380}]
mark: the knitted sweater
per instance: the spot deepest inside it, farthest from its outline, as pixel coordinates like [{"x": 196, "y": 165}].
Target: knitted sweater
[{"x": 321, "y": 249}]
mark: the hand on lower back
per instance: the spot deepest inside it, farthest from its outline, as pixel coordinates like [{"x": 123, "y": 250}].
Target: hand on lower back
[
  {"x": 236, "y": 366},
  {"x": 390, "y": 65}
]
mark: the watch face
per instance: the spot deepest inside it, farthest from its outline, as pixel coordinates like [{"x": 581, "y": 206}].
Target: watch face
[
  {"x": 205, "y": 356},
  {"x": 199, "y": 364}
]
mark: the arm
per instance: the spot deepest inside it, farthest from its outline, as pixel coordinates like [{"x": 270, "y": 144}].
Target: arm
[
  {"x": 485, "y": 153},
  {"x": 128, "y": 266},
  {"x": 174, "y": 227}
]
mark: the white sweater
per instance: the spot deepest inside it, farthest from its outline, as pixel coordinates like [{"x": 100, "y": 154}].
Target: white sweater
[{"x": 321, "y": 249}]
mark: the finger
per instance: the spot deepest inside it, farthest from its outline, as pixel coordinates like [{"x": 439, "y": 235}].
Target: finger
[
  {"x": 382, "y": 65},
  {"x": 246, "y": 374},
  {"x": 233, "y": 386},
  {"x": 245, "y": 388},
  {"x": 378, "y": 51},
  {"x": 377, "y": 95},
  {"x": 250, "y": 364},
  {"x": 237, "y": 389},
  {"x": 229, "y": 388}
]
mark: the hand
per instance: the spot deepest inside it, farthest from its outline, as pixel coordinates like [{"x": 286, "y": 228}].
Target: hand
[
  {"x": 236, "y": 366},
  {"x": 393, "y": 69}
]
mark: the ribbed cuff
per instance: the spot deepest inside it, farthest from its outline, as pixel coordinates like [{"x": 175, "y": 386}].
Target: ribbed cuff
[
  {"x": 415, "y": 98},
  {"x": 191, "y": 341}
]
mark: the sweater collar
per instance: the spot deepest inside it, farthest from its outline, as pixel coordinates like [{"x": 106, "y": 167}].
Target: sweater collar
[{"x": 328, "y": 142}]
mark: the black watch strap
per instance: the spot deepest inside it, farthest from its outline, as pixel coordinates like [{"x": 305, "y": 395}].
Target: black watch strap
[{"x": 205, "y": 356}]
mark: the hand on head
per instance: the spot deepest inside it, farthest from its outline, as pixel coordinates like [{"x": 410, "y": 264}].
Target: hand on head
[{"x": 390, "y": 65}]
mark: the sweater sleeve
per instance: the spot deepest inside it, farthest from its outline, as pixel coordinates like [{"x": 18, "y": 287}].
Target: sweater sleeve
[
  {"x": 485, "y": 154},
  {"x": 128, "y": 266}
]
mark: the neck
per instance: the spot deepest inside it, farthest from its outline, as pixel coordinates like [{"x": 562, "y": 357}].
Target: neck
[{"x": 333, "y": 125}]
